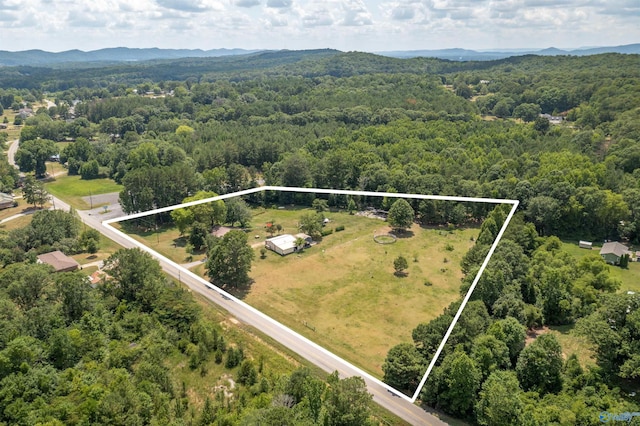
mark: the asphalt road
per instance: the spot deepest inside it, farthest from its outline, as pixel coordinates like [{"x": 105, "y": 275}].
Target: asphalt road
[{"x": 402, "y": 408}]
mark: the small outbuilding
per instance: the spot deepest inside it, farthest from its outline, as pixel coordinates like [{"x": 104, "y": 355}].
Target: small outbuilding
[
  {"x": 612, "y": 252},
  {"x": 6, "y": 201},
  {"x": 286, "y": 244},
  {"x": 60, "y": 261},
  {"x": 585, "y": 245}
]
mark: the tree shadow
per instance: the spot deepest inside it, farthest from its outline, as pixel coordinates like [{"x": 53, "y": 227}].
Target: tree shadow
[
  {"x": 180, "y": 242},
  {"x": 402, "y": 233},
  {"x": 401, "y": 274},
  {"x": 239, "y": 292}
]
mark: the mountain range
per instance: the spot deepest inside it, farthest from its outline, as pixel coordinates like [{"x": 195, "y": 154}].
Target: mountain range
[
  {"x": 124, "y": 54},
  {"x": 489, "y": 55}
]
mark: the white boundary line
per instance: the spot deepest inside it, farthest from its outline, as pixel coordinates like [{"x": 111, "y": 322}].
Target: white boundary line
[{"x": 267, "y": 318}]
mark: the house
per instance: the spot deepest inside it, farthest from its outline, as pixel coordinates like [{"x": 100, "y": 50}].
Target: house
[
  {"x": 612, "y": 252},
  {"x": 60, "y": 261},
  {"x": 553, "y": 119},
  {"x": 585, "y": 245},
  {"x": 286, "y": 244},
  {"x": 6, "y": 200}
]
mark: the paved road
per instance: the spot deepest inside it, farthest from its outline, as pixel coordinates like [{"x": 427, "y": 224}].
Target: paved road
[{"x": 295, "y": 342}]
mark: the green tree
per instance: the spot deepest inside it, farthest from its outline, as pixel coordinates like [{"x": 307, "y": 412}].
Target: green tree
[
  {"x": 229, "y": 260},
  {"x": 198, "y": 235},
  {"x": 32, "y": 155},
  {"x": 89, "y": 170},
  {"x": 539, "y": 365},
  {"x": 527, "y": 112},
  {"x": 499, "y": 401},
  {"x": 454, "y": 384},
  {"x": 74, "y": 292},
  {"x": 320, "y": 205},
  {"x": 401, "y": 215},
  {"x": 512, "y": 333},
  {"x": 311, "y": 224},
  {"x": 347, "y": 402},
  {"x": 238, "y": 211},
  {"x": 490, "y": 354},
  {"x": 90, "y": 240},
  {"x": 34, "y": 192},
  {"x": 400, "y": 264},
  {"x": 403, "y": 367},
  {"x": 136, "y": 277}
]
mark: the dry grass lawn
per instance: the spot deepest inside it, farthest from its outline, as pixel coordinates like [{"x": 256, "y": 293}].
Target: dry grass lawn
[{"x": 344, "y": 295}]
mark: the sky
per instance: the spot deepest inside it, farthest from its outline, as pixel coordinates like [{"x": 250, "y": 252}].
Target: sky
[{"x": 347, "y": 25}]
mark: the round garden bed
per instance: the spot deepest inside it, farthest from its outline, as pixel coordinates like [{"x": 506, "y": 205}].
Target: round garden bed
[{"x": 385, "y": 238}]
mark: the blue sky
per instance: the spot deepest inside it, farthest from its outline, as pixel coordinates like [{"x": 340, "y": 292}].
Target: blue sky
[{"x": 364, "y": 25}]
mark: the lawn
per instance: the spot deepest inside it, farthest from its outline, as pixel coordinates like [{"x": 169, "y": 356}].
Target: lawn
[
  {"x": 106, "y": 249},
  {"x": 12, "y": 131},
  {"x": 629, "y": 277},
  {"x": 22, "y": 207},
  {"x": 166, "y": 240},
  {"x": 16, "y": 223},
  {"x": 573, "y": 344},
  {"x": 343, "y": 294},
  {"x": 71, "y": 189}
]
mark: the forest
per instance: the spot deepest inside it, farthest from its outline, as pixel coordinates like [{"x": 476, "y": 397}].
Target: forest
[{"x": 559, "y": 134}]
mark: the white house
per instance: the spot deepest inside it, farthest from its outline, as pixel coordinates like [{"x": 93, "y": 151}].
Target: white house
[{"x": 286, "y": 244}]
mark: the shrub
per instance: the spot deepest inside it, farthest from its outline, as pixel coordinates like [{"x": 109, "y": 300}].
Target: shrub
[
  {"x": 339, "y": 228},
  {"x": 326, "y": 232}
]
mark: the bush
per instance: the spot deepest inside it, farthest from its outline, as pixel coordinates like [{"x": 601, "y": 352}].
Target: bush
[
  {"x": 448, "y": 247},
  {"x": 326, "y": 232},
  {"x": 339, "y": 228}
]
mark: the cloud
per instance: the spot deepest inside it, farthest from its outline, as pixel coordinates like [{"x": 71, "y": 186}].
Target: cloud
[
  {"x": 247, "y": 3},
  {"x": 403, "y": 13},
  {"x": 356, "y": 13},
  {"x": 274, "y": 21},
  {"x": 9, "y": 5},
  {"x": 279, "y": 4},
  {"x": 318, "y": 18},
  {"x": 184, "y": 5}
]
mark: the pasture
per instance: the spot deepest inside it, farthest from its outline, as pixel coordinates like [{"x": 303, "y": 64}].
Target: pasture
[
  {"x": 343, "y": 294},
  {"x": 71, "y": 189}
]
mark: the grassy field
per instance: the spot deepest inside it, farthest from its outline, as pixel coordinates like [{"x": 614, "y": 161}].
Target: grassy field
[
  {"x": 165, "y": 240},
  {"x": 629, "y": 277},
  {"x": 343, "y": 293},
  {"x": 107, "y": 248},
  {"x": 12, "y": 131},
  {"x": 573, "y": 344},
  {"x": 19, "y": 222},
  {"x": 72, "y": 189}
]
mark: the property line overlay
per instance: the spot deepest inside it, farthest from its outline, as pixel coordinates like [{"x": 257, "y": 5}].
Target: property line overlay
[{"x": 181, "y": 270}]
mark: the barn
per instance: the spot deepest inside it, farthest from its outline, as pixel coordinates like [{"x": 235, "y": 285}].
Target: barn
[{"x": 286, "y": 244}]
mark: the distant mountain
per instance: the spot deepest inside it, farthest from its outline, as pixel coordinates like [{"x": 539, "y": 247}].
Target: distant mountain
[
  {"x": 473, "y": 55},
  {"x": 124, "y": 54},
  {"x": 113, "y": 55}
]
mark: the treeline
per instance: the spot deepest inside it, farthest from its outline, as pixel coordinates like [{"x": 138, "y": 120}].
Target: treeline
[{"x": 488, "y": 374}]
